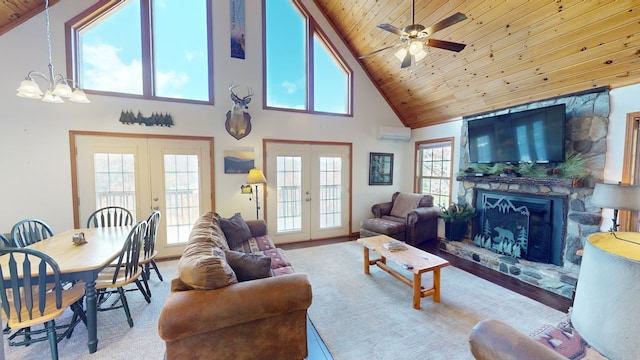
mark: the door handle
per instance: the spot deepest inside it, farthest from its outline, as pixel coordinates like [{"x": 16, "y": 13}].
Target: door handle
[
  {"x": 155, "y": 198},
  {"x": 307, "y": 199},
  {"x": 156, "y": 208}
]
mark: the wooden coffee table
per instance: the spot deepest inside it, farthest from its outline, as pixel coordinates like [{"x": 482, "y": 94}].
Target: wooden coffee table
[{"x": 412, "y": 259}]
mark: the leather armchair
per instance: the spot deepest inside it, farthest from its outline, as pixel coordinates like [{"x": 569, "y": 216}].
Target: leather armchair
[{"x": 419, "y": 225}]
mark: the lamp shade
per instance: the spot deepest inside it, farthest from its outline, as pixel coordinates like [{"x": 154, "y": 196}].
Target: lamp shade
[
  {"x": 256, "y": 177},
  {"x": 616, "y": 196}
]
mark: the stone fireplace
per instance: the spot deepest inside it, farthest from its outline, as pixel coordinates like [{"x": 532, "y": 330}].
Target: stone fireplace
[{"x": 531, "y": 228}]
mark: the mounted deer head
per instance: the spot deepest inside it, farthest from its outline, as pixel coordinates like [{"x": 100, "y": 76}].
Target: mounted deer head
[{"x": 238, "y": 122}]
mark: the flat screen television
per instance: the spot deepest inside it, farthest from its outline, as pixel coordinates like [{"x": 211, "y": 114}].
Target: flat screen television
[{"x": 535, "y": 135}]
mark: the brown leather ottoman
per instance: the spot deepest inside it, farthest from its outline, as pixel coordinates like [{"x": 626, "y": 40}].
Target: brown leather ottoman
[{"x": 380, "y": 226}]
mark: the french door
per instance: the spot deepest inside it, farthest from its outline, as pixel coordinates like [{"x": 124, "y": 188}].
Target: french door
[
  {"x": 172, "y": 175},
  {"x": 308, "y": 190}
]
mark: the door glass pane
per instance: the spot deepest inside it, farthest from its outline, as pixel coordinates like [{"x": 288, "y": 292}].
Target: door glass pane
[
  {"x": 182, "y": 194},
  {"x": 289, "y": 193},
  {"x": 115, "y": 180},
  {"x": 330, "y": 192}
]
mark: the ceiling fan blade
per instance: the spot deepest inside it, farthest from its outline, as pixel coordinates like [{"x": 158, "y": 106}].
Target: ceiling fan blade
[
  {"x": 376, "y": 51},
  {"x": 447, "y": 45},
  {"x": 445, "y": 23},
  {"x": 407, "y": 60},
  {"x": 392, "y": 29}
]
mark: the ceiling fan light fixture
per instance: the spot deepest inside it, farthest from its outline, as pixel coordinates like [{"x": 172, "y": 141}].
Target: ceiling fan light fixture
[
  {"x": 415, "y": 47},
  {"x": 400, "y": 54},
  {"x": 419, "y": 56}
]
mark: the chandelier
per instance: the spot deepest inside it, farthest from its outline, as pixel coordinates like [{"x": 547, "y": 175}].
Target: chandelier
[{"x": 58, "y": 85}]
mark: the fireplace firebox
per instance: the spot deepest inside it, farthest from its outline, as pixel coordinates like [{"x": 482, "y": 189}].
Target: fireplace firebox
[{"x": 519, "y": 225}]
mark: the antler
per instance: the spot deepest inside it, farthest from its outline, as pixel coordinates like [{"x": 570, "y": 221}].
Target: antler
[{"x": 236, "y": 98}]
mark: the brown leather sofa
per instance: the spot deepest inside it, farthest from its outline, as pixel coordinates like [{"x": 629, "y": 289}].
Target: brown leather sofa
[
  {"x": 263, "y": 318},
  {"x": 412, "y": 218}
]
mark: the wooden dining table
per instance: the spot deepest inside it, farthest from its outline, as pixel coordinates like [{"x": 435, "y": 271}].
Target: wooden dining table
[{"x": 84, "y": 262}]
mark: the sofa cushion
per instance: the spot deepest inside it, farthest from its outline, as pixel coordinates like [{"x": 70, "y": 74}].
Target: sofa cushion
[
  {"x": 255, "y": 244},
  {"x": 404, "y": 203},
  {"x": 249, "y": 266},
  {"x": 204, "y": 267},
  {"x": 235, "y": 230},
  {"x": 207, "y": 229}
]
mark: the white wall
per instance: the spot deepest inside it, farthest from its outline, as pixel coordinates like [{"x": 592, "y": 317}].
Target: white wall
[{"x": 34, "y": 140}]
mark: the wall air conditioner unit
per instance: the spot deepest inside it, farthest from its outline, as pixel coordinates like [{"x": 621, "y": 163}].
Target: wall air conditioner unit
[{"x": 394, "y": 133}]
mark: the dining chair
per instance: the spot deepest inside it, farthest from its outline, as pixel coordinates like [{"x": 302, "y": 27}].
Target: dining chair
[
  {"x": 110, "y": 216},
  {"x": 127, "y": 270},
  {"x": 29, "y": 231},
  {"x": 147, "y": 260},
  {"x": 4, "y": 242},
  {"x": 37, "y": 296}
]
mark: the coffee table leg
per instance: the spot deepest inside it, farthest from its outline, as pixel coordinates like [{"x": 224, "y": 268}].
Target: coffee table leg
[
  {"x": 436, "y": 285},
  {"x": 417, "y": 290},
  {"x": 366, "y": 260}
]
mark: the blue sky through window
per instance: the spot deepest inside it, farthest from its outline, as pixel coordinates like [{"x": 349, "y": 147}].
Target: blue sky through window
[
  {"x": 112, "y": 56},
  {"x": 285, "y": 49},
  {"x": 286, "y": 70}
]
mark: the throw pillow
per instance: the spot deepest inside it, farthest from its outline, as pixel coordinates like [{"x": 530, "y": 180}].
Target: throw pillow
[
  {"x": 249, "y": 266},
  {"x": 204, "y": 267},
  {"x": 235, "y": 229},
  {"x": 404, "y": 203}
]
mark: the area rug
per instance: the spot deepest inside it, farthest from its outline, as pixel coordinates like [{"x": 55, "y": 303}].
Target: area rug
[
  {"x": 371, "y": 316},
  {"x": 116, "y": 340}
]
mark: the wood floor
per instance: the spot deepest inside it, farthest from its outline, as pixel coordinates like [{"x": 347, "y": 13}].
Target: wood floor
[{"x": 319, "y": 351}]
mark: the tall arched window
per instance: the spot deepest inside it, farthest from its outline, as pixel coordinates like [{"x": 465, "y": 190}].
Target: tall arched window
[
  {"x": 144, "y": 48},
  {"x": 302, "y": 70}
]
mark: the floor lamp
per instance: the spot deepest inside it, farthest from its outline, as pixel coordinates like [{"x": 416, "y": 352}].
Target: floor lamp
[
  {"x": 256, "y": 177},
  {"x": 616, "y": 197}
]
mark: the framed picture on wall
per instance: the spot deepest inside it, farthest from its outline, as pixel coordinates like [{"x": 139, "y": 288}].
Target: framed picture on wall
[
  {"x": 380, "y": 169},
  {"x": 239, "y": 161}
]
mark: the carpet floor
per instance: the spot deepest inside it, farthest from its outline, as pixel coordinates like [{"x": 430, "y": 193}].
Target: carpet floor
[
  {"x": 358, "y": 316},
  {"x": 115, "y": 339},
  {"x": 371, "y": 316}
]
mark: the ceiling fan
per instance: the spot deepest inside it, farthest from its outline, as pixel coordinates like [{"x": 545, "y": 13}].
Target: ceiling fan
[{"x": 415, "y": 36}]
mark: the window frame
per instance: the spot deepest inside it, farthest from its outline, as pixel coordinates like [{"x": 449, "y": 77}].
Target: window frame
[
  {"x": 94, "y": 13},
  {"x": 313, "y": 28},
  {"x": 419, "y": 145}
]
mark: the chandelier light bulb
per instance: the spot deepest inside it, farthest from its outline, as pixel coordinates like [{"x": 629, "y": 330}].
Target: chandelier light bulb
[
  {"x": 63, "y": 90},
  {"x": 29, "y": 89},
  {"x": 50, "y": 97}
]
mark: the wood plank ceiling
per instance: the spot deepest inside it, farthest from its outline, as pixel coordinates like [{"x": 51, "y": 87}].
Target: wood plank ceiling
[
  {"x": 15, "y": 12},
  {"x": 518, "y": 51}
]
